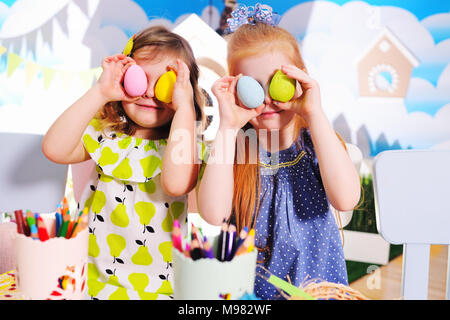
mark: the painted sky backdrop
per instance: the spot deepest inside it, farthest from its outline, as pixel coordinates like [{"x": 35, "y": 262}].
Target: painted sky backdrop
[
  {"x": 177, "y": 8},
  {"x": 171, "y": 10},
  {"x": 332, "y": 35}
]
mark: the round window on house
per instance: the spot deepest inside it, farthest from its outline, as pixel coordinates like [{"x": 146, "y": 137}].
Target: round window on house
[{"x": 384, "y": 78}]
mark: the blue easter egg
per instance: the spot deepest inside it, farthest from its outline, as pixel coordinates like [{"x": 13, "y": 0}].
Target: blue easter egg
[{"x": 250, "y": 92}]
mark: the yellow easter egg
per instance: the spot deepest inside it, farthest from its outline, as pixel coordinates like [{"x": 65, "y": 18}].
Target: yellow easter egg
[
  {"x": 282, "y": 88},
  {"x": 164, "y": 86}
]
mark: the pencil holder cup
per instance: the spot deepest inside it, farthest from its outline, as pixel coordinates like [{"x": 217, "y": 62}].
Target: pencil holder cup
[
  {"x": 209, "y": 279},
  {"x": 55, "y": 269}
]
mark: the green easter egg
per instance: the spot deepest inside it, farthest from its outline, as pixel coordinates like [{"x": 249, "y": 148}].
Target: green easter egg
[{"x": 282, "y": 88}]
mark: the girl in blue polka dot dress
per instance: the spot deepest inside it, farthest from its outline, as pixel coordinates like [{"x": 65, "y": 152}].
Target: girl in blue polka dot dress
[{"x": 280, "y": 167}]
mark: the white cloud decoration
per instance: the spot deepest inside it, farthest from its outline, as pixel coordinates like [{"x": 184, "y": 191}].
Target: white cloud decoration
[{"x": 332, "y": 38}]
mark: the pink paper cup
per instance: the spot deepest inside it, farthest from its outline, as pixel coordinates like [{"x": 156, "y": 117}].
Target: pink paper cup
[{"x": 55, "y": 269}]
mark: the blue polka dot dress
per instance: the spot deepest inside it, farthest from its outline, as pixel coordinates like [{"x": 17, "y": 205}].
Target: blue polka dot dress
[{"x": 295, "y": 224}]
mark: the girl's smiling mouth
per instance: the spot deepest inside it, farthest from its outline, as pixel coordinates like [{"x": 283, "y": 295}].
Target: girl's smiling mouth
[
  {"x": 270, "y": 113},
  {"x": 148, "y": 106}
]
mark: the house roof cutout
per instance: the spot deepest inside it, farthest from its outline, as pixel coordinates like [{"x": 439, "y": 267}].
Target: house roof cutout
[
  {"x": 386, "y": 32},
  {"x": 385, "y": 68},
  {"x": 210, "y": 49}
]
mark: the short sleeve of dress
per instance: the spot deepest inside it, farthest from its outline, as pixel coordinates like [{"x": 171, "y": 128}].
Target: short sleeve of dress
[
  {"x": 121, "y": 156},
  {"x": 308, "y": 146}
]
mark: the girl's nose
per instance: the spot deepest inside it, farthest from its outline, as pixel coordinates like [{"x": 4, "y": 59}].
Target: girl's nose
[
  {"x": 267, "y": 98},
  {"x": 150, "y": 92}
]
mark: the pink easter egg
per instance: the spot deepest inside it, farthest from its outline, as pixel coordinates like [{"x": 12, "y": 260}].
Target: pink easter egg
[{"x": 135, "y": 81}]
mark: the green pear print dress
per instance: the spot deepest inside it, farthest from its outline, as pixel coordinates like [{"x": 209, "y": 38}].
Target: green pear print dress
[{"x": 130, "y": 218}]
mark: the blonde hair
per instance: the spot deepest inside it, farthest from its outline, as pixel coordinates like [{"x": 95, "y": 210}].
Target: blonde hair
[{"x": 152, "y": 43}]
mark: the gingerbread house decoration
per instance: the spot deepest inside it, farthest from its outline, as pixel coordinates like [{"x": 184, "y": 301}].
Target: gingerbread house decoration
[
  {"x": 385, "y": 68},
  {"x": 210, "y": 51}
]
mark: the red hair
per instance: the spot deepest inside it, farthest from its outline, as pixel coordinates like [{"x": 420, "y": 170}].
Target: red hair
[{"x": 252, "y": 40}]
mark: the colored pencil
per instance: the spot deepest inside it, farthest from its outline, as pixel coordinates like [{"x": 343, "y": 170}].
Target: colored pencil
[
  {"x": 32, "y": 224},
  {"x": 30, "y": 218},
  {"x": 34, "y": 233},
  {"x": 248, "y": 243},
  {"x": 196, "y": 235},
  {"x": 65, "y": 205},
  {"x": 230, "y": 242},
  {"x": 65, "y": 225},
  {"x": 69, "y": 229},
  {"x": 80, "y": 227},
  {"x": 242, "y": 236},
  {"x": 176, "y": 236},
  {"x": 42, "y": 230},
  {"x": 58, "y": 221},
  {"x": 81, "y": 222},
  {"x": 77, "y": 219},
  {"x": 195, "y": 250},
  {"x": 19, "y": 221},
  {"x": 26, "y": 227},
  {"x": 251, "y": 244},
  {"x": 186, "y": 251},
  {"x": 222, "y": 244},
  {"x": 207, "y": 249}
]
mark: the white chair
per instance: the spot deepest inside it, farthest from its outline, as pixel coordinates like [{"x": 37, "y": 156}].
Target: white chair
[
  {"x": 27, "y": 181},
  {"x": 356, "y": 156},
  {"x": 412, "y": 192}
]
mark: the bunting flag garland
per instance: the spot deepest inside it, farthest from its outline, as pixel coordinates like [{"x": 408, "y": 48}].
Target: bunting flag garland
[
  {"x": 33, "y": 70},
  {"x": 12, "y": 43},
  {"x": 13, "y": 62},
  {"x": 48, "y": 75},
  {"x": 66, "y": 78},
  {"x": 26, "y": 37},
  {"x": 86, "y": 78}
]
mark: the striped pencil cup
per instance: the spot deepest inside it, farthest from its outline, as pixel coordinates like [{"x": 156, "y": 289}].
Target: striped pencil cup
[
  {"x": 209, "y": 279},
  {"x": 54, "y": 269}
]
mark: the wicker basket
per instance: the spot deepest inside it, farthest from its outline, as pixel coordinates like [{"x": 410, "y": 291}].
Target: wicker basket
[{"x": 329, "y": 291}]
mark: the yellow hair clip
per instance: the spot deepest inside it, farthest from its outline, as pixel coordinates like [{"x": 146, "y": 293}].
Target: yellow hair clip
[{"x": 129, "y": 46}]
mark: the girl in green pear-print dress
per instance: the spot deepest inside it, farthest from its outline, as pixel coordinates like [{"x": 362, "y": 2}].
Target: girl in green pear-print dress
[{"x": 140, "y": 183}]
